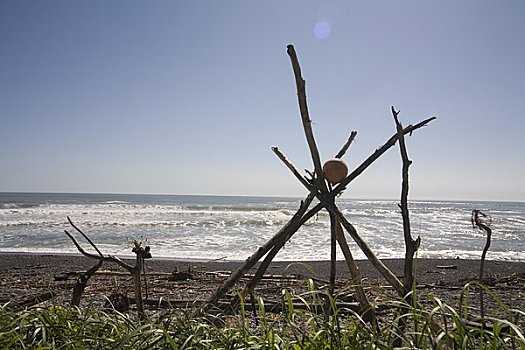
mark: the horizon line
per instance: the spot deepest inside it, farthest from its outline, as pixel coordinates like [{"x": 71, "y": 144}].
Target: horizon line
[{"x": 259, "y": 196}]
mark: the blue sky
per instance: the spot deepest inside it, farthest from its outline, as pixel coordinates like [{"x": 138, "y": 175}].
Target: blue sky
[{"x": 188, "y": 97}]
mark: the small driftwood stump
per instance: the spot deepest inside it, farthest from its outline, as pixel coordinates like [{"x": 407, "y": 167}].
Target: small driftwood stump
[{"x": 141, "y": 253}]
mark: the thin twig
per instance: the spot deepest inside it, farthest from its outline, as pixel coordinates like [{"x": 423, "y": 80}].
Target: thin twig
[
  {"x": 85, "y": 236},
  {"x": 109, "y": 258},
  {"x": 343, "y": 150},
  {"x": 377, "y": 153},
  {"x": 292, "y": 168}
]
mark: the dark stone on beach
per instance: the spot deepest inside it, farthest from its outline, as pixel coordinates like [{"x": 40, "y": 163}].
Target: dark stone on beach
[
  {"x": 117, "y": 301},
  {"x": 180, "y": 276}
]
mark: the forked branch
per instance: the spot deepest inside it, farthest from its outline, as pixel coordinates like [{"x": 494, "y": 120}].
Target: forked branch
[{"x": 135, "y": 271}]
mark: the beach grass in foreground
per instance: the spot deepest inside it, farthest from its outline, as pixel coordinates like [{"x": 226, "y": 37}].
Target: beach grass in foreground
[{"x": 309, "y": 320}]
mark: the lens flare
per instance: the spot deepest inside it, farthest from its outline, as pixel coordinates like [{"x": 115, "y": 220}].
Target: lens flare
[{"x": 322, "y": 30}]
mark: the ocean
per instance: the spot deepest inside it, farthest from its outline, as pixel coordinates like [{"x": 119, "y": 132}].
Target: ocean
[{"x": 232, "y": 228}]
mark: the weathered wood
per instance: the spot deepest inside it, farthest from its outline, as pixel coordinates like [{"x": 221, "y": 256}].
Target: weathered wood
[
  {"x": 278, "y": 239},
  {"x": 478, "y": 221},
  {"x": 135, "y": 271},
  {"x": 85, "y": 236},
  {"x": 447, "y": 267},
  {"x": 259, "y": 274},
  {"x": 31, "y": 300},
  {"x": 357, "y": 279},
  {"x": 343, "y": 150},
  {"x": 120, "y": 273},
  {"x": 317, "y": 187},
  {"x": 377, "y": 153},
  {"x": 305, "y": 116},
  {"x": 327, "y": 201},
  {"x": 319, "y": 180},
  {"x": 411, "y": 245},
  {"x": 292, "y": 168},
  {"x": 81, "y": 283},
  {"x": 109, "y": 258},
  {"x": 360, "y": 168},
  {"x": 333, "y": 256},
  {"x": 378, "y": 264}
]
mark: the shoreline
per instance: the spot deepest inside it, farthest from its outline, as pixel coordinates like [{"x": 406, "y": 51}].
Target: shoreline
[
  {"x": 240, "y": 261},
  {"x": 427, "y": 269}
]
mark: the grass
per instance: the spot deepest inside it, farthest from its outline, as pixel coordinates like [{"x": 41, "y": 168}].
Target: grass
[{"x": 316, "y": 324}]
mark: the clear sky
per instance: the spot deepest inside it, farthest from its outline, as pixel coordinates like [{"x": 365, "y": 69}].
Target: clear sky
[{"x": 187, "y": 97}]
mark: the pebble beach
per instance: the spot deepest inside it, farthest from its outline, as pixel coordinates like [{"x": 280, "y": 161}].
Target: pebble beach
[{"x": 24, "y": 278}]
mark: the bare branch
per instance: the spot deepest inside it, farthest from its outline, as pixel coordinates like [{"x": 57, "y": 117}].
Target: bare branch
[
  {"x": 378, "y": 153},
  {"x": 292, "y": 168},
  {"x": 110, "y": 258},
  {"x": 411, "y": 245},
  {"x": 483, "y": 222},
  {"x": 343, "y": 150},
  {"x": 84, "y": 235},
  {"x": 305, "y": 116},
  {"x": 80, "y": 249},
  {"x": 366, "y": 308},
  {"x": 82, "y": 281}
]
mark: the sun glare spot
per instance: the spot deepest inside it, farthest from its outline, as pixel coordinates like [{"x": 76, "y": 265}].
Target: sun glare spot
[{"x": 321, "y": 30}]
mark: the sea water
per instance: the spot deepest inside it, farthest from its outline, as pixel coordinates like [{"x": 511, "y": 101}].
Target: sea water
[{"x": 233, "y": 228}]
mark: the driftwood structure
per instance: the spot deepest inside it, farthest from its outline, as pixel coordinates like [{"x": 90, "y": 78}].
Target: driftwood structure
[
  {"x": 321, "y": 186},
  {"x": 318, "y": 187},
  {"x": 141, "y": 253}
]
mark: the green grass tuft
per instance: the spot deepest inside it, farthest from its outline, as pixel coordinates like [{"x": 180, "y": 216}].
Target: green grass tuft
[{"x": 308, "y": 321}]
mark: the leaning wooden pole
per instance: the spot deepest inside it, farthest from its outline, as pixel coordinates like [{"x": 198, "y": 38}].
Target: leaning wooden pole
[
  {"x": 272, "y": 253},
  {"x": 333, "y": 255},
  {"x": 278, "y": 239},
  {"x": 305, "y": 118},
  {"x": 376, "y": 154},
  {"x": 357, "y": 279}
]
